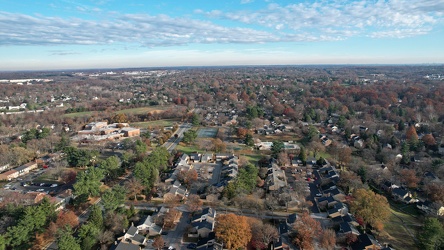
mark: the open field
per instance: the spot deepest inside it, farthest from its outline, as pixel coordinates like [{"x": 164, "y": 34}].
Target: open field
[
  {"x": 157, "y": 123},
  {"x": 143, "y": 110},
  {"x": 400, "y": 229},
  {"x": 133, "y": 111}
]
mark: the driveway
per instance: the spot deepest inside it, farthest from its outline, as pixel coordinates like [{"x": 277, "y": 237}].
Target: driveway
[{"x": 174, "y": 237}]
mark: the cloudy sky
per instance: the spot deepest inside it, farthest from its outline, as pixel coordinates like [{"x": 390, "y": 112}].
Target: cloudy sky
[{"x": 69, "y": 34}]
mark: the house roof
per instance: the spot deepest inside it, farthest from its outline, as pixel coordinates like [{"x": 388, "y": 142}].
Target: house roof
[
  {"x": 400, "y": 192},
  {"x": 132, "y": 230},
  {"x": 124, "y": 246},
  {"x": 203, "y": 224},
  {"x": 363, "y": 241},
  {"x": 138, "y": 238},
  {"x": 344, "y": 227},
  {"x": 292, "y": 218}
]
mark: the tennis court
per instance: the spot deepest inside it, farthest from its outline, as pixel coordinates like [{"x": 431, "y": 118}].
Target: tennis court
[{"x": 207, "y": 132}]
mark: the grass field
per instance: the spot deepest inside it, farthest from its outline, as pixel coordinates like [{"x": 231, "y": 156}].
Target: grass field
[
  {"x": 143, "y": 110},
  {"x": 157, "y": 123},
  {"x": 401, "y": 228},
  {"x": 133, "y": 111}
]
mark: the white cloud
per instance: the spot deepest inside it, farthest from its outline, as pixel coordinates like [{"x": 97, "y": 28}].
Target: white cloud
[
  {"x": 306, "y": 21},
  {"x": 246, "y": 1}
]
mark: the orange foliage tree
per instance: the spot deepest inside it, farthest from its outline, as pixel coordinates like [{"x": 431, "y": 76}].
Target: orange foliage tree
[
  {"x": 233, "y": 230},
  {"x": 307, "y": 229}
]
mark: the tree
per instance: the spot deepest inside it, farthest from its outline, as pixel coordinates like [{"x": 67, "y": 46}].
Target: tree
[
  {"x": 79, "y": 157},
  {"x": 88, "y": 233},
  {"x": 408, "y": 176},
  {"x": 371, "y": 207},
  {"x": 96, "y": 217},
  {"x": 218, "y": 145},
  {"x": 111, "y": 167},
  {"x": 303, "y": 155},
  {"x": 193, "y": 203},
  {"x": 133, "y": 187},
  {"x": 195, "y": 119},
  {"x": 283, "y": 159},
  {"x": 233, "y": 230},
  {"x": 276, "y": 148},
  {"x": 429, "y": 140},
  {"x": 249, "y": 140},
  {"x": 66, "y": 240},
  {"x": 146, "y": 173},
  {"x": 431, "y": 235},
  {"x": 242, "y": 132},
  {"x": 67, "y": 218},
  {"x": 187, "y": 177},
  {"x": 88, "y": 182},
  {"x": 158, "y": 242},
  {"x": 262, "y": 233},
  {"x": 113, "y": 198},
  {"x": 411, "y": 134},
  {"x": 189, "y": 136},
  {"x": 349, "y": 181},
  {"x": 306, "y": 229},
  {"x": 328, "y": 239},
  {"x": 119, "y": 118}
]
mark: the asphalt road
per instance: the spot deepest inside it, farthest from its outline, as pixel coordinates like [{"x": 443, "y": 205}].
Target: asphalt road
[{"x": 171, "y": 144}]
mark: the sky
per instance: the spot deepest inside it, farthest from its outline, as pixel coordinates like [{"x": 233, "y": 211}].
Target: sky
[{"x": 82, "y": 34}]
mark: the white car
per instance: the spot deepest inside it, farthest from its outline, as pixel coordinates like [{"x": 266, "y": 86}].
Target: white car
[
  {"x": 54, "y": 185},
  {"x": 40, "y": 190}
]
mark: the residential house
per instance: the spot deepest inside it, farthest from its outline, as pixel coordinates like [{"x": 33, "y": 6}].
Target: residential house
[
  {"x": 207, "y": 242},
  {"x": 124, "y": 246},
  {"x": 207, "y": 214},
  {"x": 276, "y": 178},
  {"x": 132, "y": 236},
  {"x": 365, "y": 242},
  {"x": 148, "y": 226},
  {"x": 346, "y": 228},
  {"x": 429, "y": 207},
  {"x": 338, "y": 209},
  {"x": 9, "y": 175},
  {"x": 4, "y": 168},
  {"x": 403, "y": 195},
  {"x": 25, "y": 169},
  {"x": 202, "y": 229}
]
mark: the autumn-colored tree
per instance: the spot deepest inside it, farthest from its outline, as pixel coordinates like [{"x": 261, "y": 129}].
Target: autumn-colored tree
[
  {"x": 188, "y": 177},
  {"x": 170, "y": 217},
  {"x": 158, "y": 242},
  {"x": 171, "y": 199},
  {"x": 219, "y": 145},
  {"x": 67, "y": 218},
  {"x": 233, "y": 230},
  {"x": 411, "y": 133},
  {"x": 435, "y": 191},
  {"x": 371, "y": 207},
  {"x": 119, "y": 118},
  {"x": 307, "y": 229},
  {"x": 408, "y": 176},
  {"x": 349, "y": 181},
  {"x": 193, "y": 203},
  {"x": 262, "y": 233},
  {"x": 429, "y": 140},
  {"x": 242, "y": 132},
  {"x": 350, "y": 238},
  {"x": 283, "y": 159},
  {"x": 328, "y": 239}
]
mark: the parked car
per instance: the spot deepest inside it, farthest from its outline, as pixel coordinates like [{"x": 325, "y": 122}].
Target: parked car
[
  {"x": 40, "y": 190},
  {"x": 191, "y": 246},
  {"x": 54, "y": 185},
  {"x": 319, "y": 195}
]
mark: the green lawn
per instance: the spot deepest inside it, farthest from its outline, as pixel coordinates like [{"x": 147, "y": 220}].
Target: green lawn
[
  {"x": 134, "y": 111},
  {"x": 158, "y": 123},
  {"x": 400, "y": 228},
  {"x": 187, "y": 149},
  {"x": 142, "y": 110},
  {"x": 79, "y": 114}
]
